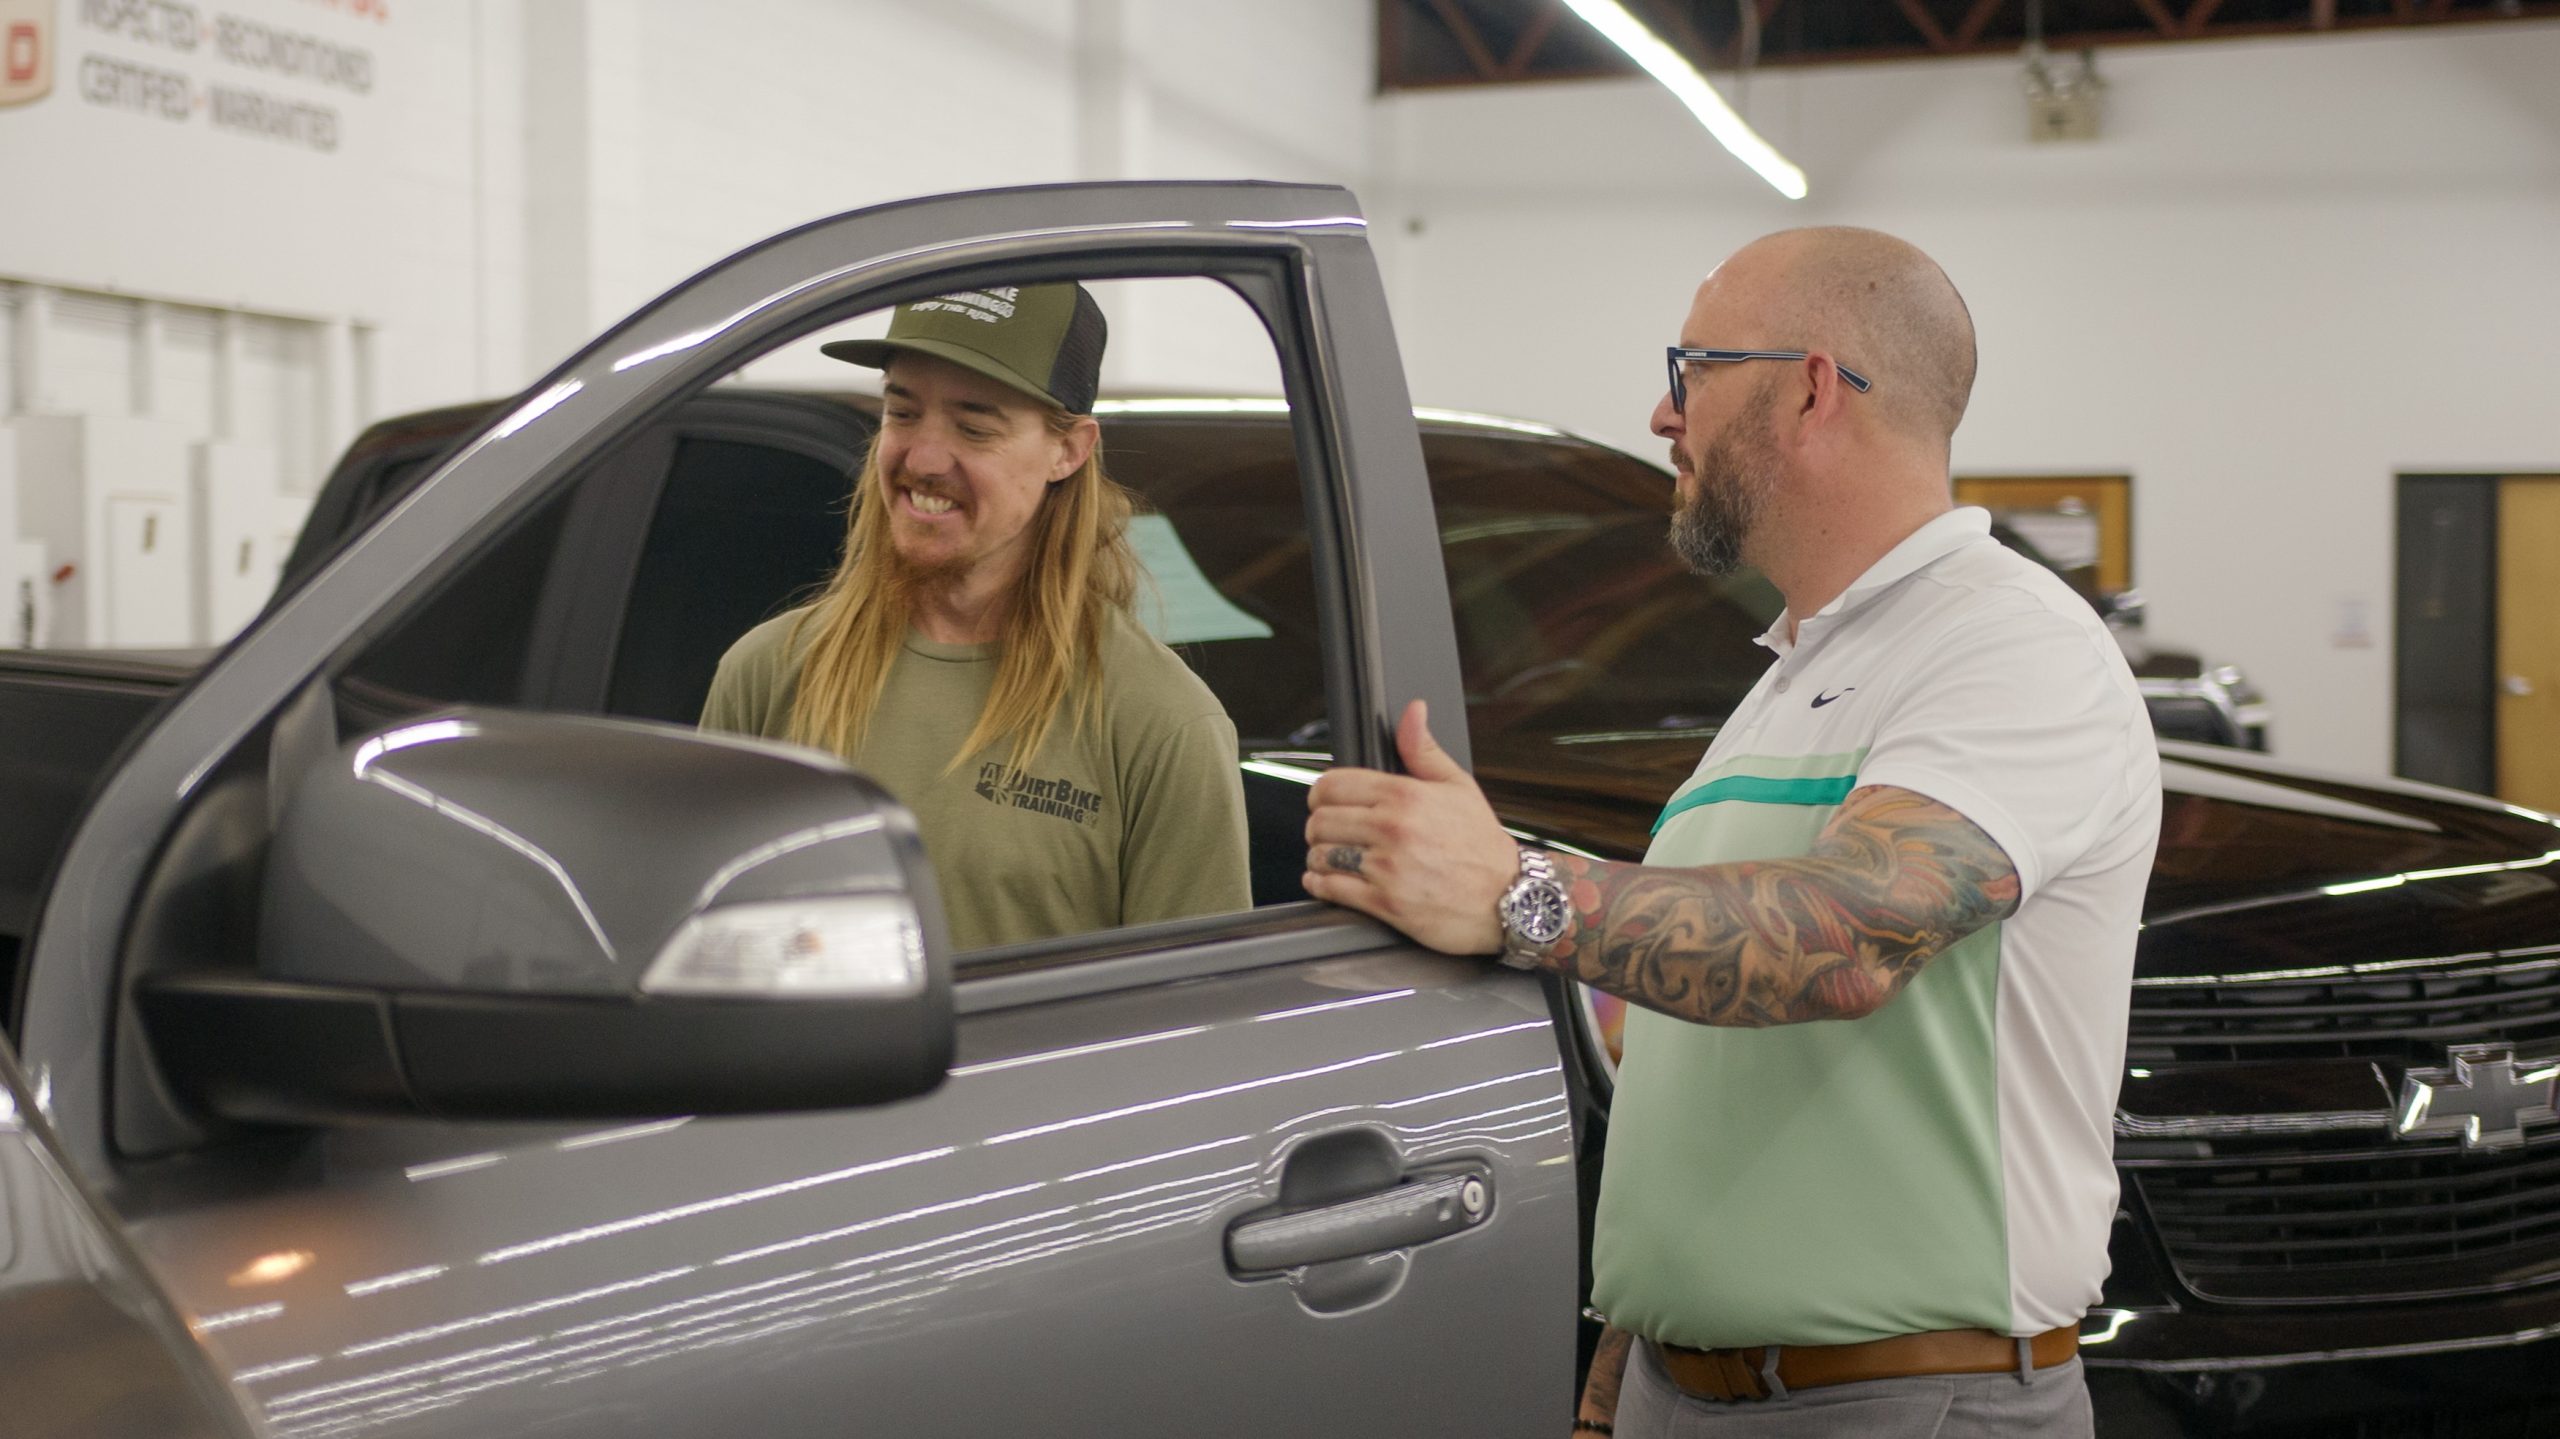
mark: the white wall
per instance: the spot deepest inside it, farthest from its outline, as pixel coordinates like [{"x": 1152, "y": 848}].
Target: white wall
[
  {"x": 139, "y": 176},
  {"x": 2290, "y": 270},
  {"x": 211, "y": 217},
  {"x": 708, "y": 129},
  {"x": 512, "y": 175},
  {"x": 477, "y": 186}
]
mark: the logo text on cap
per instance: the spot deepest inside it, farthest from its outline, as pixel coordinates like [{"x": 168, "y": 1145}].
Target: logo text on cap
[{"x": 984, "y": 306}]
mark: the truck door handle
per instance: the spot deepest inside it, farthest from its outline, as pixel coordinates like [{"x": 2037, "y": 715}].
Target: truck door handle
[{"x": 1398, "y": 1218}]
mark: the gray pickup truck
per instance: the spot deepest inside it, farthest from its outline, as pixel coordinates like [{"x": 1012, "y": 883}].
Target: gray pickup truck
[{"x": 459, "y": 1044}]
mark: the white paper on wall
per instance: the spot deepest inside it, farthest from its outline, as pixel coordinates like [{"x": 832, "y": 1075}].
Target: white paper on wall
[
  {"x": 28, "y": 622},
  {"x": 15, "y": 624},
  {"x": 108, "y": 498},
  {"x": 239, "y": 556}
]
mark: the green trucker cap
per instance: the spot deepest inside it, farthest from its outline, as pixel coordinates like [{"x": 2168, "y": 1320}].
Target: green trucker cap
[{"x": 1044, "y": 340}]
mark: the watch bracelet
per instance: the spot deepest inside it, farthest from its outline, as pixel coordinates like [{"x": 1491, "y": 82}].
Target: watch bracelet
[{"x": 1519, "y": 951}]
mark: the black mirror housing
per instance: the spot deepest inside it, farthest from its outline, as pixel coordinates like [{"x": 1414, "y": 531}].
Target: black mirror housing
[{"x": 494, "y": 915}]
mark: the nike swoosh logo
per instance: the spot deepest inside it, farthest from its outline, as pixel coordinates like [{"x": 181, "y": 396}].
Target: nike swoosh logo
[{"x": 1820, "y": 700}]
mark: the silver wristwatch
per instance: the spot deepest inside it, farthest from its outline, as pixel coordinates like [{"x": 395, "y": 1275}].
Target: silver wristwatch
[{"x": 1533, "y": 911}]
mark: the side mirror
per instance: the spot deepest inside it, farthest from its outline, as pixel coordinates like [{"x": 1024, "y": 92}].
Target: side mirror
[{"x": 494, "y": 915}]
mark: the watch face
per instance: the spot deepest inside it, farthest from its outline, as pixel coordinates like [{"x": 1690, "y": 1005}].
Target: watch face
[{"x": 1535, "y": 910}]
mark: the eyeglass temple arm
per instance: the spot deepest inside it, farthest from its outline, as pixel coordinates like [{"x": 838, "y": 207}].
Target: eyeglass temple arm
[{"x": 1857, "y": 382}]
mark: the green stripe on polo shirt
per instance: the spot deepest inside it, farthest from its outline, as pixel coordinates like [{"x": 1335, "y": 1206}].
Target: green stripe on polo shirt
[
  {"x": 1815, "y": 779},
  {"x": 1827, "y": 1183},
  {"x": 1755, "y": 789}
]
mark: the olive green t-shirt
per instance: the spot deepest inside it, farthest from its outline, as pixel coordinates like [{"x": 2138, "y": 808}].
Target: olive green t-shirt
[{"x": 1136, "y": 815}]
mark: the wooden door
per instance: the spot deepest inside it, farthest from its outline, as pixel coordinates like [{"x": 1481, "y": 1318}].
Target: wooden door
[{"x": 2528, "y": 665}]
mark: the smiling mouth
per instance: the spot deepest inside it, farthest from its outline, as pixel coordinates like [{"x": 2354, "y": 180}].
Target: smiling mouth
[{"x": 926, "y": 502}]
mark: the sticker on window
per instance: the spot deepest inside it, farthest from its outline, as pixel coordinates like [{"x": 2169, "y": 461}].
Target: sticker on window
[{"x": 1182, "y": 607}]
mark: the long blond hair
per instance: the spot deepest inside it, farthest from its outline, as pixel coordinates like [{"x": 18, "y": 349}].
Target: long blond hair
[{"x": 1081, "y": 572}]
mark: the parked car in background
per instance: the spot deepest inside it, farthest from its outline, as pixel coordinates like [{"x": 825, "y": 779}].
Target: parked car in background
[
  {"x": 416, "y": 1156},
  {"x": 2188, "y": 699}
]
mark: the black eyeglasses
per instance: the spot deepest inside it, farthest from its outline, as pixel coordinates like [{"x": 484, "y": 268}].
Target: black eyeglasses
[{"x": 1679, "y": 355}]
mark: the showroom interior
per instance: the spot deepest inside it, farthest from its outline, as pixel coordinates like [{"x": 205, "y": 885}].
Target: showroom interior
[
  {"x": 2292, "y": 266},
  {"x": 2267, "y": 295}
]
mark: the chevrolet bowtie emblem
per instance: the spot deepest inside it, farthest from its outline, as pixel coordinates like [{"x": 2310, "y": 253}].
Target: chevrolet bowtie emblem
[{"x": 2486, "y": 1095}]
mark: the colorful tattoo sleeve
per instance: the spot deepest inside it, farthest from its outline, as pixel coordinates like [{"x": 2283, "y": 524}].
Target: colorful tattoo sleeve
[
  {"x": 1895, "y": 879},
  {"x": 1608, "y": 1371}
]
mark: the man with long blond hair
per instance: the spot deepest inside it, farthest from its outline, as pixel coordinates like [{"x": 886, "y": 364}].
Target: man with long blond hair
[{"x": 976, "y": 651}]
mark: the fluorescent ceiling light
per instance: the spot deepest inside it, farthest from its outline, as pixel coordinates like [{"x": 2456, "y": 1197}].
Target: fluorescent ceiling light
[{"x": 1683, "y": 80}]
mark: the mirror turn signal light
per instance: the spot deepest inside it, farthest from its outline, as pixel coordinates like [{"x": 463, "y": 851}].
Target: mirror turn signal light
[{"x": 839, "y": 947}]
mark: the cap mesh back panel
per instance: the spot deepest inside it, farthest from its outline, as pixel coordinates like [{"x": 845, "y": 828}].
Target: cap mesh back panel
[{"x": 1076, "y": 375}]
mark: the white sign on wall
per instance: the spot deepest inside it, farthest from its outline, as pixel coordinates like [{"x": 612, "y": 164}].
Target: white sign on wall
[
  {"x": 235, "y": 74},
  {"x": 248, "y": 153}
]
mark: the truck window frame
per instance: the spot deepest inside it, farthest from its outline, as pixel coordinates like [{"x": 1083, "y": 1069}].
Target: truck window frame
[{"x": 1294, "y": 253}]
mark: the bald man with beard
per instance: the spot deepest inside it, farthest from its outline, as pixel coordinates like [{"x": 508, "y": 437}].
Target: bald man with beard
[{"x": 1860, "y": 1168}]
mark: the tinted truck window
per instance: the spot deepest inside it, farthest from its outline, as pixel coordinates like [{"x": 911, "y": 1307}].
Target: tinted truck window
[
  {"x": 470, "y": 644},
  {"x": 742, "y": 532},
  {"x": 1572, "y": 614}
]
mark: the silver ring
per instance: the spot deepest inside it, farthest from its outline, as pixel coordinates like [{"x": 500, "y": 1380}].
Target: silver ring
[{"x": 1344, "y": 858}]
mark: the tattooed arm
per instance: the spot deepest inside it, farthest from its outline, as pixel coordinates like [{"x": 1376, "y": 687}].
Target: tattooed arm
[
  {"x": 1895, "y": 879},
  {"x": 1608, "y": 1370}
]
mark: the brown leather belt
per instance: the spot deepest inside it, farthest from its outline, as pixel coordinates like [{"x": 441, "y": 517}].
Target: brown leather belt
[{"x": 1735, "y": 1374}]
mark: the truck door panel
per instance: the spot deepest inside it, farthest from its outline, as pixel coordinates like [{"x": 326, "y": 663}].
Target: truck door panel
[
  {"x": 1044, "y": 1236},
  {"x": 89, "y": 1349}
]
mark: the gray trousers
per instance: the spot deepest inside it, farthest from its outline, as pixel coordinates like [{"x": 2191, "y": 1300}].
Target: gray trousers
[{"x": 1952, "y": 1406}]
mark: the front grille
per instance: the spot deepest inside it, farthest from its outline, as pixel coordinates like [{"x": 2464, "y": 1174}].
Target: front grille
[
  {"x": 2341, "y": 1218},
  {"x": 2404, "y": 1017},
  {"x": 2355, "y": 1215}
]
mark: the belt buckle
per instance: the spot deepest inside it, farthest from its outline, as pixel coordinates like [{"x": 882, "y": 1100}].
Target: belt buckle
[
  {"x": 1741, "y": 1376},
  {"x": 1723, "y": 1376}
]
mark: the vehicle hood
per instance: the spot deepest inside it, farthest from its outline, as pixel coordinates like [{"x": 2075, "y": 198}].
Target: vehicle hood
[{"x": 2263, "y": 866}]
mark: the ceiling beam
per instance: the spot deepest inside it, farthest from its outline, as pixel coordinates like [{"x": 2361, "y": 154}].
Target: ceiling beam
[
  {"x": 1926, "y": 23},
  {"x": 1976, "y": 20},
  {"x": 1466, "y": 47},
  {"x": 1670, "y": 23},
  {"x": 1727, "y": 56},
  {"x": 2350, "y": 22},
  {"x": 2160, "y": 17},
  {"x": 1479, "y": 54},
  {"x": 1532, "y": 36}
]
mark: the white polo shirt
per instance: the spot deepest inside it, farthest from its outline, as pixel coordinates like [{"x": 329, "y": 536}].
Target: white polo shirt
[{"x": 1946, "y": 1162}]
